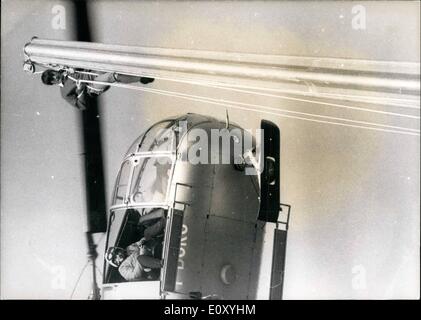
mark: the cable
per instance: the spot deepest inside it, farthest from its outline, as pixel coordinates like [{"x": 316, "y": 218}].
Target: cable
[
  {"x": 282, "y": 97},
  {"x": 87, "y": 73},
  {"x": 231, "y": 104},
  {"x": 355, "y": 98},
  {"x": 324, "y": 103},
  {"x": 214, "y": 101},
  {"x": 301, "y": 118},
  {"x": 283, "y": 110},
  {"x": 83, "y": 270},
  {"x": 78, "y": 279}
]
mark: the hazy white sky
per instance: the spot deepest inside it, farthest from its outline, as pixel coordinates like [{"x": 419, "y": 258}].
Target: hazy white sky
[{"x": 355, "y": 193}]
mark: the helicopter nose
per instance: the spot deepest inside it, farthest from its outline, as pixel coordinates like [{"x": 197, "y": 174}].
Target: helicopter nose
[{"x": 228, "y": 274}]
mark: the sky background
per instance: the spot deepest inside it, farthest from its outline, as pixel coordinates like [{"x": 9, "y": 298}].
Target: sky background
[{"x": 354, "y": 192}]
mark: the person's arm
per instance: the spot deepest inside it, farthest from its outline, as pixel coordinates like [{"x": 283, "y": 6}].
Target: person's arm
[
  {"x": 123, "y": 78},
  {"x": 140, "y": 243},
  {"x": 149, "y": 262},
  {"x": 73, "y": 94},
  {"x": 134, "y": 248},
  {"x": 100, "y": 88},
  {"x": 154, "y": 229},
  {"x": 130, "y": 269}
]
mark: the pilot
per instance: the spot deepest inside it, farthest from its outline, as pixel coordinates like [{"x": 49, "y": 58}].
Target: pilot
[
  {"x": 137, "y": 261},
  {"x": 75, "y": 93}
]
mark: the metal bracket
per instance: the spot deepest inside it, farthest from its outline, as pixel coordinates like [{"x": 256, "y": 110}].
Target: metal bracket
[
  {"x": 28, "y": 66},
  {"x": 284, "y": 211},
  {"x": 182, "y": 203}
]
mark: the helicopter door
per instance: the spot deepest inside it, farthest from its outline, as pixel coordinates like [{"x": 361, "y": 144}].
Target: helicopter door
[
  {"x": 172, "y": 249},
  {"x": 269, "y": 177},
  {"x": 279, "y": 253}
]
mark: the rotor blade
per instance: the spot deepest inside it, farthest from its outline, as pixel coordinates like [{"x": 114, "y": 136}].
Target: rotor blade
[
  {"x": 303, "y": 73},
  {"x": 91, "y": 136}
]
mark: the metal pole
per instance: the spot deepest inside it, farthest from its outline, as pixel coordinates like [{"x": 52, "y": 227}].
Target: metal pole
[
  {"x": 91, "y": 139},
  {"x": 92, "y": 255},
  {"x": 401, "y": 77}
]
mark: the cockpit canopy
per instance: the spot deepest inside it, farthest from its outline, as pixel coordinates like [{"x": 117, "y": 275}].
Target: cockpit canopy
[
  {"x": 143, "y": 180},
  {"x": 160, "y": 137}
]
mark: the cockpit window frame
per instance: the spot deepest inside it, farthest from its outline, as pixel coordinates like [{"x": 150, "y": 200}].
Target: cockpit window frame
[
  {"x": 120, "y": 229},
  {"x": 139, "y": 142},
  {"x": 137, "y": 154},
  {"x": 128, "y": 202}
]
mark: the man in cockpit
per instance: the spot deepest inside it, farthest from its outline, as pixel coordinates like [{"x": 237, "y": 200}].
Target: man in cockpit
[
  {"x": 76, "y": 93},
  {"x": 137, "y": 261}
]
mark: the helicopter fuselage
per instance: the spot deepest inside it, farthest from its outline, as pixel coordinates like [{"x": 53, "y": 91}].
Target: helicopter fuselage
[{"x": 212, "y": 242}]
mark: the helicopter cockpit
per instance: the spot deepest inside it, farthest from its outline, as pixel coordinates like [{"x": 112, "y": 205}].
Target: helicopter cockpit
[
  {"x": 146, "y": 169},
  {"x": 141, "y": 192}
]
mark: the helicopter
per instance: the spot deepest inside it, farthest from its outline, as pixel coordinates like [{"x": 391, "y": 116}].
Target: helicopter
[
  {"x": 193, "y": 267},
  {"x": 215, "y": 212}
]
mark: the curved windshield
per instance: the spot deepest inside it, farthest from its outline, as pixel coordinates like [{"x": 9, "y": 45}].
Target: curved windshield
[
  {"x": 143, "y": 180},
  {"x": 150, "y": 180},
  {"x": 144, "y": 176},
  {"x": 120, "y": 192}
]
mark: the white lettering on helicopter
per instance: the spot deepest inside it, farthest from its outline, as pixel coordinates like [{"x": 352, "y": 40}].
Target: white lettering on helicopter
[{"x": 183, "y": 247}]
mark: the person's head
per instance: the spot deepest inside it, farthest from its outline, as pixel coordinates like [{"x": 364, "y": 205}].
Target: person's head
[
  {"x": 51, "y": 77},
  {"x": 115, "y": 256}
]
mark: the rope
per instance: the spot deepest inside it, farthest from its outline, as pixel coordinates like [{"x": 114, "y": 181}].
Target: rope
[
  {"x": 78, "y": 279},
  {"x": 237, "y": 105},
  {"x": 404, "y": 103}
]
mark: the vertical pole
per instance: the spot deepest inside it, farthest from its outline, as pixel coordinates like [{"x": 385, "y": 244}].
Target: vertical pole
[
  {"x": 94, "y": 175},
  {"x": 92, "y": 255}
]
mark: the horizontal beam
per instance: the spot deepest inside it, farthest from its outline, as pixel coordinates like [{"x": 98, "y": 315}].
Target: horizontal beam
[{"x": 383, "y": 76}]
